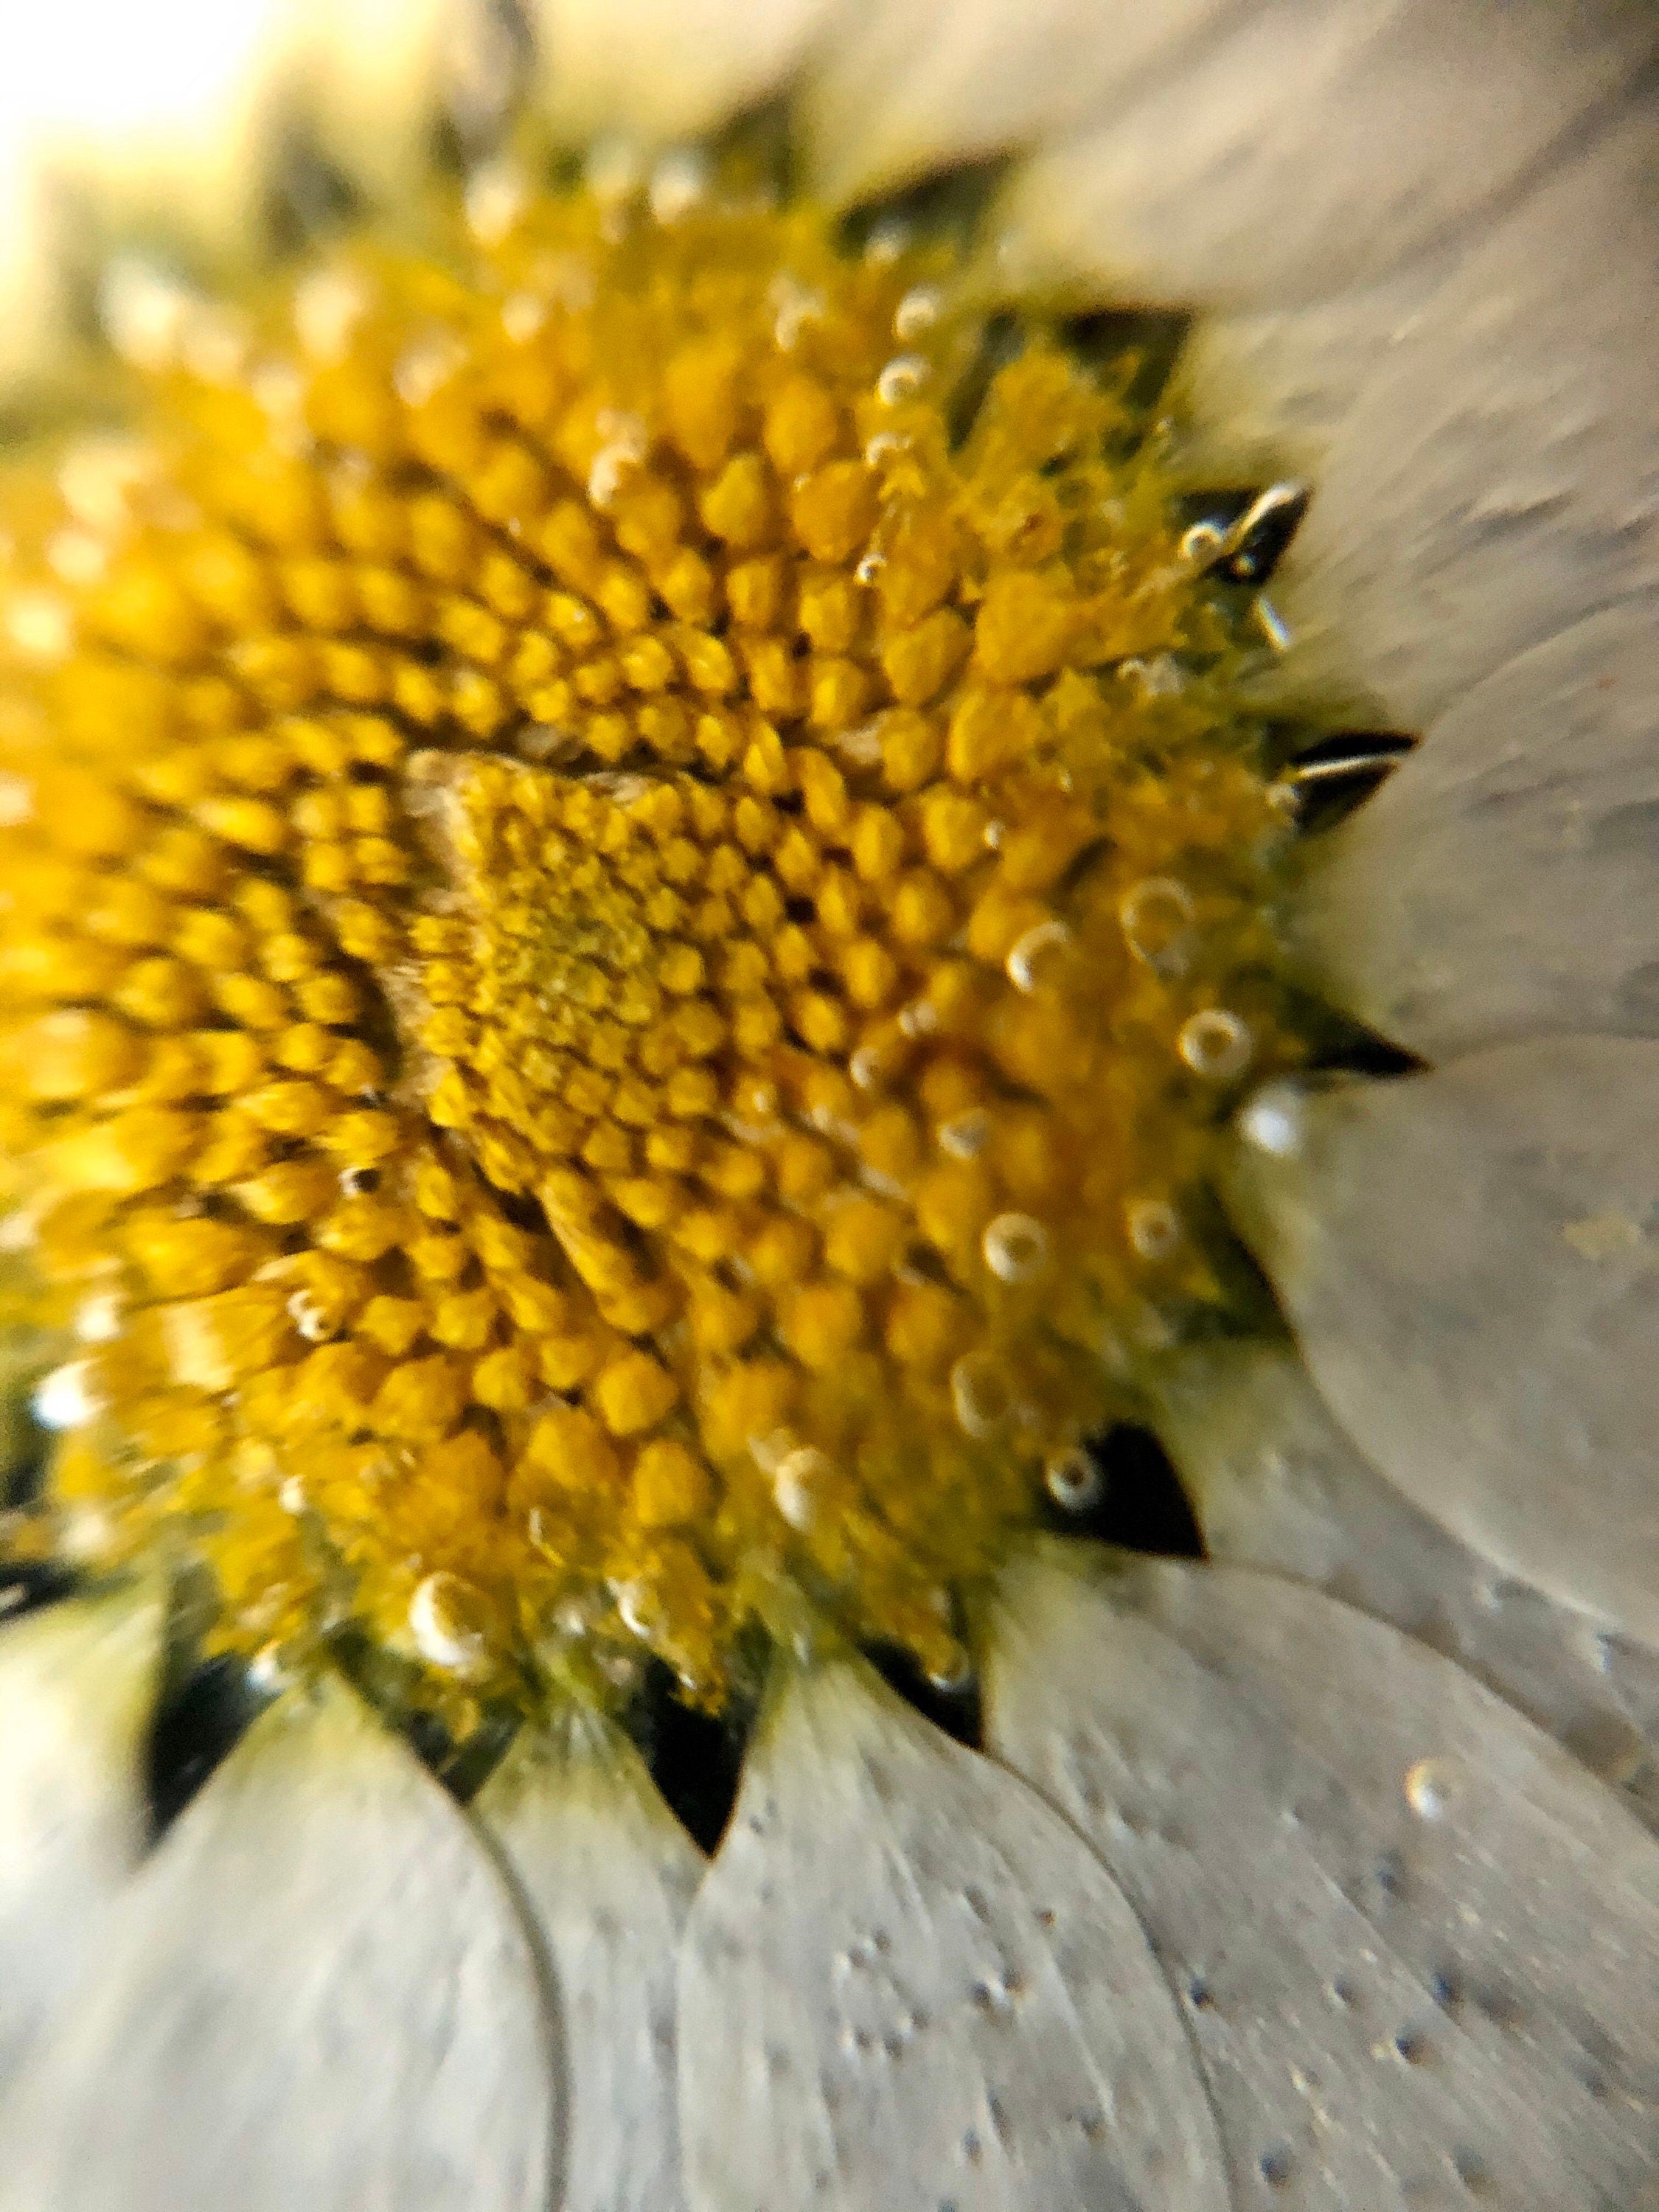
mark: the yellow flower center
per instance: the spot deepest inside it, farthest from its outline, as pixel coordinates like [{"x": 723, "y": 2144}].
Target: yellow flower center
[{"x": 635, "y": 892}]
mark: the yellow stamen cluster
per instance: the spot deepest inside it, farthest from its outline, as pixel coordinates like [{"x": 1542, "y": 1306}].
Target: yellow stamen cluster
[{"x": 619, "y": 948}]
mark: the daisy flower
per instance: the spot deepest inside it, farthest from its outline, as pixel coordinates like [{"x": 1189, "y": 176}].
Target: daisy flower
[{"x": 829, "y": 998}]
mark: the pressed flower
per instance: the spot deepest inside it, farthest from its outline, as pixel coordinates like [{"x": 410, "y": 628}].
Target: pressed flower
[{"x": 670, "y": 887}]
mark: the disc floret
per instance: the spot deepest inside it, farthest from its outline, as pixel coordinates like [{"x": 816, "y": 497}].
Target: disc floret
[{"x": 629, "y": 921}]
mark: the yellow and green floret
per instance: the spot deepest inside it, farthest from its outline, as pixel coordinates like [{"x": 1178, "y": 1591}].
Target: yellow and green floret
[{"x": 623, "y": 941}]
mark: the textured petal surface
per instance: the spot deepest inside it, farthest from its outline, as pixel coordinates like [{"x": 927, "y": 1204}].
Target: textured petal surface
[
  {"x": 1504, "y": 882},
  {"x": 318, "y": 1998},
  {"x": 1419, "y": 1947},
  {"x": 78, "y": 1686},
  {"x": 372, "y": 73},
  {"x": 906, "y": 1984},
  {"x": 1469, "y": 1259},
  {"x": 1275, "y": 1483},
  {"x": 1498, "y": 477},
  {"x": 1266, "y": 392},
  {"x": 900, "y": 89},
  {"x": 607, "y": 1873},
  {"x": 1317, "y": 147},
  {"x": 664, "y": 69}
]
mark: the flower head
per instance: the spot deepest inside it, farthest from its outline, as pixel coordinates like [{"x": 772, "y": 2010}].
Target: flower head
[
  {"x": 634, "y": 914},
  {"x": 665, "y": 905}
]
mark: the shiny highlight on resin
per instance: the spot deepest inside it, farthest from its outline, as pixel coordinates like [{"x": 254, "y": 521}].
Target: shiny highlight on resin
[{"x": 634, "y": 892}]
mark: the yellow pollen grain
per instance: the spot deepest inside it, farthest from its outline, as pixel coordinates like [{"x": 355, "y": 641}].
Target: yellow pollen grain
[{"x": 602, "y": 947}]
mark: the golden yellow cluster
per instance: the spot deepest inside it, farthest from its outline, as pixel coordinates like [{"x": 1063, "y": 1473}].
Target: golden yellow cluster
[{"x": 623, "y": 935}]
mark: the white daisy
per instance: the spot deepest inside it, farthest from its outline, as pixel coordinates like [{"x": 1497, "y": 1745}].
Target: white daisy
[{"x": 544, "y": 614}]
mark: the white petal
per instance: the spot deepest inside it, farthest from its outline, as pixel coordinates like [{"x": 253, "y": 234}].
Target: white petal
[
  {"x": 901, "y": 88},
  {"x": 77, "y": 1686},
  {"x": 164, "y": 106},
  {"x": 1419, "y": 1947},
  {"x": 905, "y": 1983},
  {"x": 1504, "y": 882},
  {"x": 159, "y": 109},
  {"x": 34, "y": 304},
  {"x": 1317, "y": 147},
  {"x": 658, "y": 70},
  {"x": 1470, "y": 1262},
  {"x": 1498, "y": 477},
  {"x": 318, "y": 1998},
  {"x": 1264, "y": 393},
  {"x": 1275, "y": 1483},
  {"x": 371, "y": 73},
  {"x": 607, "y": 1873}
]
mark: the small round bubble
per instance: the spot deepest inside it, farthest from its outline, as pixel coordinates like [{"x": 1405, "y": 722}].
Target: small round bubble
[
  {"x": 328, "y": 304},
  {"x": 903, "y": 375},
  {"x": 1073, "y": 1479},
  {"x": 1273, "y": 1120},
  {"x": 640, "y": 1609},
  {"x": 1430, "y": 1786},
  {"x": 425, "y": 367},
  {"x": 1157, "y": 917},
  {"x": 268, "y": 1672},
  {"x": 1216, "y": 1044},
  {"x": 1016, "y": 1247},
  {"x": 627, "y": 442},
  {"x": 797, "y": 1486},
  {"x": 1047, "y": 937},
  {"x": 979, "y": 1395},
  {"x": 1202, "y": 543},
  {"x": 1154, "y": 1227},
  {"x": 917, "y": 311},
  {"x": 442, "y": 1616},
  {"x": 965, "y": 1136},
  {"x": 98, "y": 1319},
  {"x": 677, "y": 183},
  {"x": 65, "y": 1399},
  {"x": 498, "y": 193},
  {"x": 308, "y": 1317},
  {"x": 953, "y": 1675}
]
